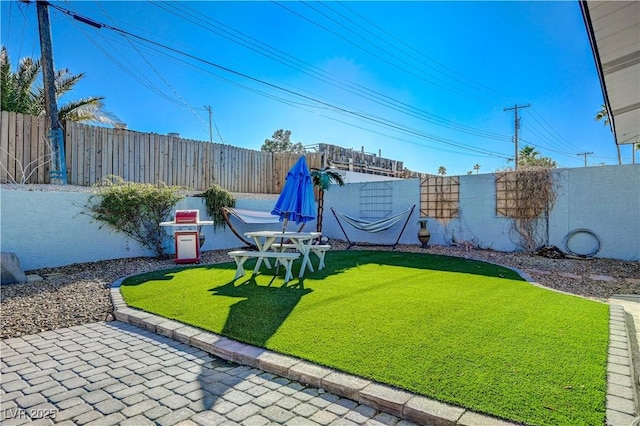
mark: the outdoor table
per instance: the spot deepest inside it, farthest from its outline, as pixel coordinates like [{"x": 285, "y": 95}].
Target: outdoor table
[{"x": 302, "y": 241}]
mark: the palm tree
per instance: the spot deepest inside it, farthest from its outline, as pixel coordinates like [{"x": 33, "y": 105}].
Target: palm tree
[
  {"x": 323, "y": 178},
  {"x": 442, "y": 170},
  {"x": 603, "y": 115},
  {"x": 19, "y": 92},
  {"x": 528, "y": 156},
  {"x": 527, "y": 153},
  {"x": 476, "y": 167}
]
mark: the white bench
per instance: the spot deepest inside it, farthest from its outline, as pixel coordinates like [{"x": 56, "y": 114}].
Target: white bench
[
  {"x": 318, "y": 249},
  {"x": 241, "y": 256}
]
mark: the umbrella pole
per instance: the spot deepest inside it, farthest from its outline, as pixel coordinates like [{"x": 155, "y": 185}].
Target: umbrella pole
[{"x": 284, "y": 228}]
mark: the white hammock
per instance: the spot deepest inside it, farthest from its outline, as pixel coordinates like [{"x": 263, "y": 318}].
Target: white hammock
[
  {"x": 249, "y": 217},
  {"x": 373, "y": 226},
  {"x": 253, "y": 216}
]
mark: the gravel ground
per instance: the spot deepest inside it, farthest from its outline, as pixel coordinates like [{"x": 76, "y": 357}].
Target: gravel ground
[{"x": 79, "y": 293}]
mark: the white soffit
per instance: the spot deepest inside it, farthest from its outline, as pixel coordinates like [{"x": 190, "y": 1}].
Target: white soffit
[{"x": 615, "y": 27}]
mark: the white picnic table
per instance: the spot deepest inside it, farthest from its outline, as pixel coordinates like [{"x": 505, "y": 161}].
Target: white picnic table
[{"x": 302, "y": 242}]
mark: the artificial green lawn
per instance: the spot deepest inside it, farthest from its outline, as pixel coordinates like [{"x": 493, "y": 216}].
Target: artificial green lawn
[{"x": 460, "y": 331}]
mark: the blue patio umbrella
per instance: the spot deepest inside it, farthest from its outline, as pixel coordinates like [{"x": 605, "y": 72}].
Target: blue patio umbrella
[{"x": 296, "y": 201}]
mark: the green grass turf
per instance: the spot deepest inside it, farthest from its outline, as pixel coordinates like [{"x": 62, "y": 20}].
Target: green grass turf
[{"x": 460, "y": 331}]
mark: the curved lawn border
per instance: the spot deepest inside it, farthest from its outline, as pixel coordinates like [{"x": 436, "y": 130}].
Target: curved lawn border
[{"x": 177, "y": 330}]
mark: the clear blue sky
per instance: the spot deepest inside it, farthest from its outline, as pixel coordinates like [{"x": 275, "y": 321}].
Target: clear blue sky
[{"x": 425, "y": 83}]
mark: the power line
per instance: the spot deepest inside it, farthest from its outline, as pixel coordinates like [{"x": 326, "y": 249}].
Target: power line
[
  {"x": 291, "y": 61},
  {"x": 336, "y": 108},
  {"x": 317, "y": 103},
  {"x": 448, "y": 72}
]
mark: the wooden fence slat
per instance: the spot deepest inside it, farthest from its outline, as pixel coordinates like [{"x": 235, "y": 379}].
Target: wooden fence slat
[
  {"x": 11, "y": 161},
  {"x": 27, "y": 163},
  {"x": 4, "y": 146},
  {"x": 20, "y": 158},
  {"x": 93, "y": 154},
  {"x": 108, "y": 154},
  {"x": 37, "y": 157},
  {"x": 88, "y": 148}
]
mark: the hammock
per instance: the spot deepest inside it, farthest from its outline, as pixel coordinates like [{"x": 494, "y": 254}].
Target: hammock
[
  {"x": 374, "y": 226},
  {"x": 249, "y": 217}
]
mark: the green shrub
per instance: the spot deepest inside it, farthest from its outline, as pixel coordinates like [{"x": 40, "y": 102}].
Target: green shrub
[
  {"x": 135, "y": 209},
  {"x": 215, "y": 199}
]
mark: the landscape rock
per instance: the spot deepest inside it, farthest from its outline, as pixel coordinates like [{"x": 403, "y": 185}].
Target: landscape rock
[{"x": 11, "y": 270}]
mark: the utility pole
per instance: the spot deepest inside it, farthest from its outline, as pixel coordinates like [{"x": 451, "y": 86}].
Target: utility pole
[
  {"x": 516, "y": 126},
  {"x": 208, "y": 108},
  {"x": 58, "y": 172},
  {"x": 585, "y": 156}
]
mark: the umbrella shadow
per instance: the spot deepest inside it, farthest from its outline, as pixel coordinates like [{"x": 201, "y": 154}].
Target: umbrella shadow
[{"x": 262, "y": 310}]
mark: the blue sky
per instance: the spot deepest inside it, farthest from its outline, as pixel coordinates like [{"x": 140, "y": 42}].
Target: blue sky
[{"x": 425, "y": 83}]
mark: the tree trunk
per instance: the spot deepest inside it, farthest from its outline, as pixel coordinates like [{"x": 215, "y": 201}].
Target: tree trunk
[{"x": 320, "y": 210}]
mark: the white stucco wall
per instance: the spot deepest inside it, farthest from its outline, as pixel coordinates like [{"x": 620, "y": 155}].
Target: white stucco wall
[
  {"x": 604, "y": 200},
  {"x": 48, "y": 229}
]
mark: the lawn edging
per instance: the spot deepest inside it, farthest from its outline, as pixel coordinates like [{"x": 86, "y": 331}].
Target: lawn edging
[{"x": 621, "y": 391}]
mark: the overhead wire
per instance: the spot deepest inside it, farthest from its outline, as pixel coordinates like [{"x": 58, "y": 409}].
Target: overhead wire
[
  {"x": 153, "y": 68},
  {"x": 359, "y": 46},
  {"x": 548, "y": 129},
  {"x": 542, "y": 122},
  {"x": 449, "y": 72},
  {"x": 284, "y": 90},
  {"x": 293, "y": 62},
  {"x": 390, "y": 52}
]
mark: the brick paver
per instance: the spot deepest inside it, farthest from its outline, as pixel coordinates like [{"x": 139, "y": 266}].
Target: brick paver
[{"x": 113, "y": 376}]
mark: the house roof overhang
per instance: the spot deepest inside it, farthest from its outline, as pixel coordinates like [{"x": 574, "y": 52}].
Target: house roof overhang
[{"x": 613, "y": 28}]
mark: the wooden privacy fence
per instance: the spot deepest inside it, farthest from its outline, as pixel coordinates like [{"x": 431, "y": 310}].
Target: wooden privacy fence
[{"x": 93, "y": 153}]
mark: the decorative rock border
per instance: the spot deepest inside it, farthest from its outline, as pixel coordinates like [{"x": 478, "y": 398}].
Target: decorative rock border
[{"x": 621, "y": 393}]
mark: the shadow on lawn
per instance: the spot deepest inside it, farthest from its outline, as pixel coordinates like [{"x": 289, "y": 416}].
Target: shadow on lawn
[{"x": 261, "y": 312}]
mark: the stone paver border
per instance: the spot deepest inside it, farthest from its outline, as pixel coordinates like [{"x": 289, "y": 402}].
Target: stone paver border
[
  {"x": 620, "y": 401},
  {"x": 622, "y": 393}
]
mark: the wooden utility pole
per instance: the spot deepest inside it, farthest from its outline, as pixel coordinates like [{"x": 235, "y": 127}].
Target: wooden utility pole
[
  {"x": 585, "y": 156},
  {"x": 58, "y": 167},
  {"x": 47, "y": 63},
  {"x": 516, "y": 126}
]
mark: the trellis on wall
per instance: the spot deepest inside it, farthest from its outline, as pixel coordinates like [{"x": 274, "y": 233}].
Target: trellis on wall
[
  {"x": 514, "y": 194},
  {"x": 440, "y": 197},
  {"x": 376, "y": 200}
]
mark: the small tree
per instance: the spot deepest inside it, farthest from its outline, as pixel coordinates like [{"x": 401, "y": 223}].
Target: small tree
[
  {"x": 476, "y": 168},
  {"x": 281, "y": 142},
  {"x": 135, "y": 209},
  {"x": 323, "y": 178},
  {"x": 442, "y": 170}
]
